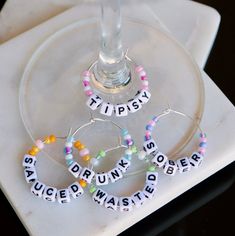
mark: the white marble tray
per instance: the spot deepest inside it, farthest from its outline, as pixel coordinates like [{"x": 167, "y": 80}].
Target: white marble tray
[{"x": 83, "y": 217}]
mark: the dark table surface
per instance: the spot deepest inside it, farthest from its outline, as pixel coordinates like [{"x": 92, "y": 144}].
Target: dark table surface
[{"x": 208, "y": 208}]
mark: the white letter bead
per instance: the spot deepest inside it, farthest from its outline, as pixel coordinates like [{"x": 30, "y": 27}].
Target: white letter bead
[
  {"x": 149, "y": 190},
  {"x": 150, "y": 146},
  {"x": 101, "y": 179},
  {"x": 183, "y": 165},
  {"x": 87, "y": 174},
  {"x": 125, "y": 203},
  {"x": 196, "y": 159},
  {"x": 121, "y": 110},
  {"x": 111, "y": 202},
  {"x": 49, "y": 194},
  {"x": 75, "y": 190},
  {"x": 138, "y": 198},
  {"x": 115, "y": 174},
  {"x": 170, "y": 167},
  {"x": 37, "y": 188},
  {"x": 159, "y": 159},
  {"x": 99, "y": 196},
  {"x": 63, "y": 196},
  {"x": 134, "y": 105},
  {"x": 94, "y": 101},
  {"x": 30, "y": 174},
  {"x": 106, "y": 109},
  {"x": 151, "y": 177},
  {"x": 29, "y": 161},
  {"x": 123, "y": 164},
  {"x": 144, "y": 96},
  {"x": 75, "y": 169}
]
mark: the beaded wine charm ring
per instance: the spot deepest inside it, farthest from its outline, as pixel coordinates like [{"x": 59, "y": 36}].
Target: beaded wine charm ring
[
  {"x": 39, "y": 189},
  {"x": 87, "y": 174},
  {"x": 160, "y": 160},
  {"x": 106, "y": 108}
]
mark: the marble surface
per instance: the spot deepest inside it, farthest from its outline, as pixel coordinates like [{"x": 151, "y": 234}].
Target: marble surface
[
  {"x": 196, "y": 28},
  {"x": 83, "y": 217}
]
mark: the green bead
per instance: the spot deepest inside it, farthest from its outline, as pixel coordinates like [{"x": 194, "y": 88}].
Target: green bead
[
  {"x": 102, "y": 153},
  {"x": 134, "y": 149},
  {"x": 92, "y": 189},
  {"x": 151, "y": 168}
]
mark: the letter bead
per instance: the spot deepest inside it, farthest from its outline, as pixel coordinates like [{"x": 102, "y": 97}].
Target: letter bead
[
  {"x": 144, "y": 96},
  {"x": 115, "y": 174},
  {"x": 94, "y": 102},
  {"x": 101, "y": 179},
  {"x": 159, "y": 159},
  {"x": 149, "y": 190},
  {"x": 150, "y": 146},
  {"x": 30, "y": 174},
  {"x": 170, "y": 167},
  {"x": 75, "y": 190},
  {"x": 111, "y": 202},
  {"x": 75, "y": 169},
  {"x": 87, "y": 174},
  {"x": 63, "y": 196},
  {"x": 125, "y": 203},
  {"x": 29, "y": 161},
  {"x": 37, "y": 188},
  {"x": 121, "y": 110},
  {"x": 196, "y": 159},
  {"x": 138, "y": 198},
  {"x": 151, "y": 177},
  {"x": 99, "y": 196},
  {"x": 106, "y": 109},
  {"x": 123, "y": 164},
  {"x": 49, "y": 194},
  {"x": 134, "y": 105},
  {"x": 183, "y": 165}
]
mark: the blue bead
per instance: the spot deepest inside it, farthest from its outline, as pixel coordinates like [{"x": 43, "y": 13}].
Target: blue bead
[
  {"x": 70, "y": 139},
  {"x": 149, "y": 127},
  {"x": 128, "y": 157},
  {"x": 155, "y": 119},
  {"x": 69, "y": 162},
  {"x": 124, "y": 132},
  {"x": 202, "y": 144}
]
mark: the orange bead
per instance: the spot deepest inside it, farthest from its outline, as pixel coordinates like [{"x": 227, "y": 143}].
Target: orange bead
[
  {"x": 86, "y": 157},
  {"x": 82, "y": 183},
  {"x": 80, "y": 147},
  {"x": 47, "y": 140},
  {"x": 77, "y": 144},
  {"x": 32, "y": 153},
  {"x": 35, "y": 149},
  {"x": 52, "y": 138}
]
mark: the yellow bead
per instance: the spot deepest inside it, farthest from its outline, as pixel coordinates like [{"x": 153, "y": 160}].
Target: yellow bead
[
  {"x": 52, "y": 138},
  {"x": 82, "y": 183},
  {"x": 35, "y": 149},
  {"x": 32, "y": 153},
  {"x": 47, "y": 140},
  {"x": 86, "y": 157}
]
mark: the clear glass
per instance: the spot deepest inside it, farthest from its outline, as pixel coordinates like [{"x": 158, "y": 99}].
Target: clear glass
[
  {"x": 111, "y": 70},
  {"x": 52, "y": 100}
]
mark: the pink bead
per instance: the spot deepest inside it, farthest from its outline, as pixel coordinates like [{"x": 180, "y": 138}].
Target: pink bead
[
  {"x": 88, "y": 93},
  {"x": 39, "y": 143},
  {"x": 144, "y": 87},
  {"x": 84, "y": 152},
  {"x": 143, "y": 78},
  {"x": 142, "y": 73},
  {"x": 202, "y": 151},
  {"x": 86, "y": 83},
  {"x": 148, "y": 133},
  {"x": 204, "y": 140},
  {"x": 138, "y": 69},
  {"x": 86, "y": 73},
  {"x": 145, "y": 83}
]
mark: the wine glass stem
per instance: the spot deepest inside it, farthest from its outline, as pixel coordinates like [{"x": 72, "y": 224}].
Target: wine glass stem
[{"x": 112, "y": 69}]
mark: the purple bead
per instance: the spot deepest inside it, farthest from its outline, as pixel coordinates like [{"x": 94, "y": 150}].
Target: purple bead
[
  {"x": 68, "y": 150},
  {"x": 129, "y": 142}
]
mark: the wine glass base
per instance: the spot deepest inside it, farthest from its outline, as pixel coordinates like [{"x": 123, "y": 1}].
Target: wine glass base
[{"x": 52, "y": 98}]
